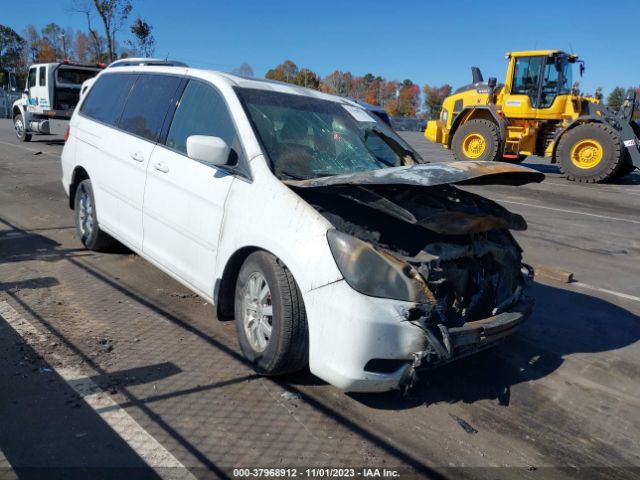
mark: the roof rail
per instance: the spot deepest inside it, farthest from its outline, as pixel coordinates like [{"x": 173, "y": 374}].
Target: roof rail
[{"x": 133, "y": 62}]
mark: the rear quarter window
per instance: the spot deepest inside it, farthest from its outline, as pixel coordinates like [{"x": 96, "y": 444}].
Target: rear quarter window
[
  {"x": 107, "y": 96},
  {"x": 73, "y": 76},
  {"x": 147, "y": 106}
]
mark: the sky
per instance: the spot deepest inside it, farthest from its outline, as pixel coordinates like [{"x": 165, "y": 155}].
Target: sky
[{"x": 426, "y": 41}]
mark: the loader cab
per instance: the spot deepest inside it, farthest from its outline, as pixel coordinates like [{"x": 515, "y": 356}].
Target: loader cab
[{"x": 538, "y": 84}]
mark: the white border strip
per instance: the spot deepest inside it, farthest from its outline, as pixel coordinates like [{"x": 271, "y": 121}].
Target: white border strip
[
  {"x": 609, "y": 292},
  {"x": 148, "y": 448},
  {"x": 606, "y": 217}
]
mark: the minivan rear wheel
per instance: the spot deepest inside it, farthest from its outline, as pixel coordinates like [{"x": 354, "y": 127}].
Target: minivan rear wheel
[
  {"x": 87, "y": 219},
  {"x": 270, "y": 318}
]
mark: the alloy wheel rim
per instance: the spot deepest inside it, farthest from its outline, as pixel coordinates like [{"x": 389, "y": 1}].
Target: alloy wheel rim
[
  {"x": 587, "y": 153},
  {"x": 19, "y": 126},
  {"x": 85, "y": 214},
  {"x": 258, "y": 312},
  {"x": 473, "y": 145}
]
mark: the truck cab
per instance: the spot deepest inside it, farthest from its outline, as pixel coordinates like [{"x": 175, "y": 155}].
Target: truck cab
[{"x": 51, "y": 93}]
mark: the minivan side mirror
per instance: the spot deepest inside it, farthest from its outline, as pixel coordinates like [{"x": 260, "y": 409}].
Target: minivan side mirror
[{"x": 209, "y": 150}]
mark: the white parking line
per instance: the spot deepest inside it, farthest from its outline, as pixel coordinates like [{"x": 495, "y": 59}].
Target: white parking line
[
  {"x": 147, "y": 447},
  {"x": 6, "y": 472},
  {"x": 606, "y": 217},
  {"x": 631, "y": 189},
  {"x": 626, "y": 296}
]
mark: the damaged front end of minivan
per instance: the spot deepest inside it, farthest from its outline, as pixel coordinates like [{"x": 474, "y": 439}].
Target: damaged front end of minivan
[{"x": 407, "y": 233}]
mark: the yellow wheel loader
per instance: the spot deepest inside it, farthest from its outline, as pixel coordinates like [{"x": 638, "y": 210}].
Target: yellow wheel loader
[{"x": 539, "y": 111}]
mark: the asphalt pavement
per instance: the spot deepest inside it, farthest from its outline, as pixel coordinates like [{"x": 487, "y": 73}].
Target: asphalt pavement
[{"x": 110, "y": 369}]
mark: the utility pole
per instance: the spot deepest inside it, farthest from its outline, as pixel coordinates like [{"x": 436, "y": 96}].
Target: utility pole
[{"x": 64, "y": 46}]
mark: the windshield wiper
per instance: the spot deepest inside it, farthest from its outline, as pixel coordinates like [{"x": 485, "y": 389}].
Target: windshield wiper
[{"x": 291, "y": 175}]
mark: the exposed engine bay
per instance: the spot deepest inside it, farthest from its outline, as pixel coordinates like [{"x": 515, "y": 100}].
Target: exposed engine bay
[{"x": 459, "y": 262}]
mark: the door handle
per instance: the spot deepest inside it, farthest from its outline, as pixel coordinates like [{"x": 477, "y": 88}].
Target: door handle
[
  {"x": 137, "y": 156},
  {"x": 161, "y": 167}
]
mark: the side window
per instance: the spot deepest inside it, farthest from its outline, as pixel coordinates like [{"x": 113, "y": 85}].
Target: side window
[
  {"x": 148, "y": 104},
  {"x": 106, "y": 98},
  {"x": 526, "y": 77},
  {"x": 32, "y": 77},
  {"x": 202, "y": 111},
  {"x": 549, "y": 84},
  {"x": 42, "y": 74}
]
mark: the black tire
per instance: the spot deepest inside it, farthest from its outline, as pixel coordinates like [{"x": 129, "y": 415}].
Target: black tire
[
  {"x": 21, "y": 129},
  {"x": 612, "y": 156},
  {"x": 287, "y": 349},
  {"x": 87, "y": 220},
  {"x": 626, "y": 167},
  {"x": 489, "y": 132},
  {"x": 518, "y": 159}
]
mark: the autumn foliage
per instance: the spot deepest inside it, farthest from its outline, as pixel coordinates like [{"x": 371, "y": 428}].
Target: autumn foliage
[{"x": 398, "y": 98}]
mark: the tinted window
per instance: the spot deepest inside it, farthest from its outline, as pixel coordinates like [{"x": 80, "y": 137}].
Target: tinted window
[
  {"x": 32, "y": 77},
  {"x": 74, "y": 76},
  {"x": 107, "y": 96},
  {"x": 43, "y": 77},
  {"x": 526, "y": 77},
  {"x": 202, "y": 111},
  {"x": 147, "y": 106}
]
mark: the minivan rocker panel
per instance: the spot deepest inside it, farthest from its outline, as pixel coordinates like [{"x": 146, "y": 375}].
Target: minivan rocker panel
[{"x": 370, "y": 267}]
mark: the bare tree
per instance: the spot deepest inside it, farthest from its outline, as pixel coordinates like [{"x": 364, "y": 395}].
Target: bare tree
[
  {"x": 81, "y": 47},
  {"x": 144, "y": 43},
  {"x": 96, "y": 47},
  {"x": 113, "y": 13},
  {"x": 244, "y": 70}
]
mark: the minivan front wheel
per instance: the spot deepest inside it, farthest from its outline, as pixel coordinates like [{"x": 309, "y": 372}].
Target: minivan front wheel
[
  {"x": 270, "y": 318},
  {"x": 87, "y": 220}
]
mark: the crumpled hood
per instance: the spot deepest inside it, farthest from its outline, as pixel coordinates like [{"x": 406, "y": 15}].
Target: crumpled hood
[{"x": 432, "y": 174}]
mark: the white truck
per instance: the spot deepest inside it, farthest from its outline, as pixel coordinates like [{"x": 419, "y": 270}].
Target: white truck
[{"x": 51, "y": 93}]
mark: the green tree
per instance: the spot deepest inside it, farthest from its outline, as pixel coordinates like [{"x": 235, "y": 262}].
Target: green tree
[
  {"x": 307, "y": 78},
  {"x": 11, "y": 47},
  {"x": 615, "y": 98},
  {"x": 433, "y": 98}
]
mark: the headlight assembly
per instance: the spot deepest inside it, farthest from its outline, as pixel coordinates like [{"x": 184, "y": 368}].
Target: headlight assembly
[
  {"x": 445, "y": 115},
  {"x": 375, "y": 273}
]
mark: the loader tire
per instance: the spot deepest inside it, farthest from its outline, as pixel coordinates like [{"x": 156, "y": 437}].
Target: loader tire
[
  {"x": 626, "y": 167},
  {"x": 590, "y": 153},
  {"x": 477, "y": 140}
]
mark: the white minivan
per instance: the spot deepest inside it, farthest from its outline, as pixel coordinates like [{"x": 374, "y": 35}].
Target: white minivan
[{"x": 310, "y": 222}]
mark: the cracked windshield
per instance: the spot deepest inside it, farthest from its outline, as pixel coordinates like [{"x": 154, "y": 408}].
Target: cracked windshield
[{"x": 309, "y": 137}]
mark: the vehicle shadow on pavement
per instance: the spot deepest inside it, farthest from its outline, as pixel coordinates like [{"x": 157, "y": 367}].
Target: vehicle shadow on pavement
[
  {"x": 563, "y": 323},
  {"x": 48, "y": 430},
  {"x": 17, "y": 245},
  {"x": 542, "y": 167}
]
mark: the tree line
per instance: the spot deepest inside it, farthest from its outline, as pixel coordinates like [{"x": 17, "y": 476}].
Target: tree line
[
  {"x": 99, "y": 43},
  {"x": 398, "y": 98},
  {"x": 108, "y": 20}
]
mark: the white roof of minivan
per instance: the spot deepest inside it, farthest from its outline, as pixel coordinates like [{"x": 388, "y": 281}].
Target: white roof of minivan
[{"x": 236, "y": 80}]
